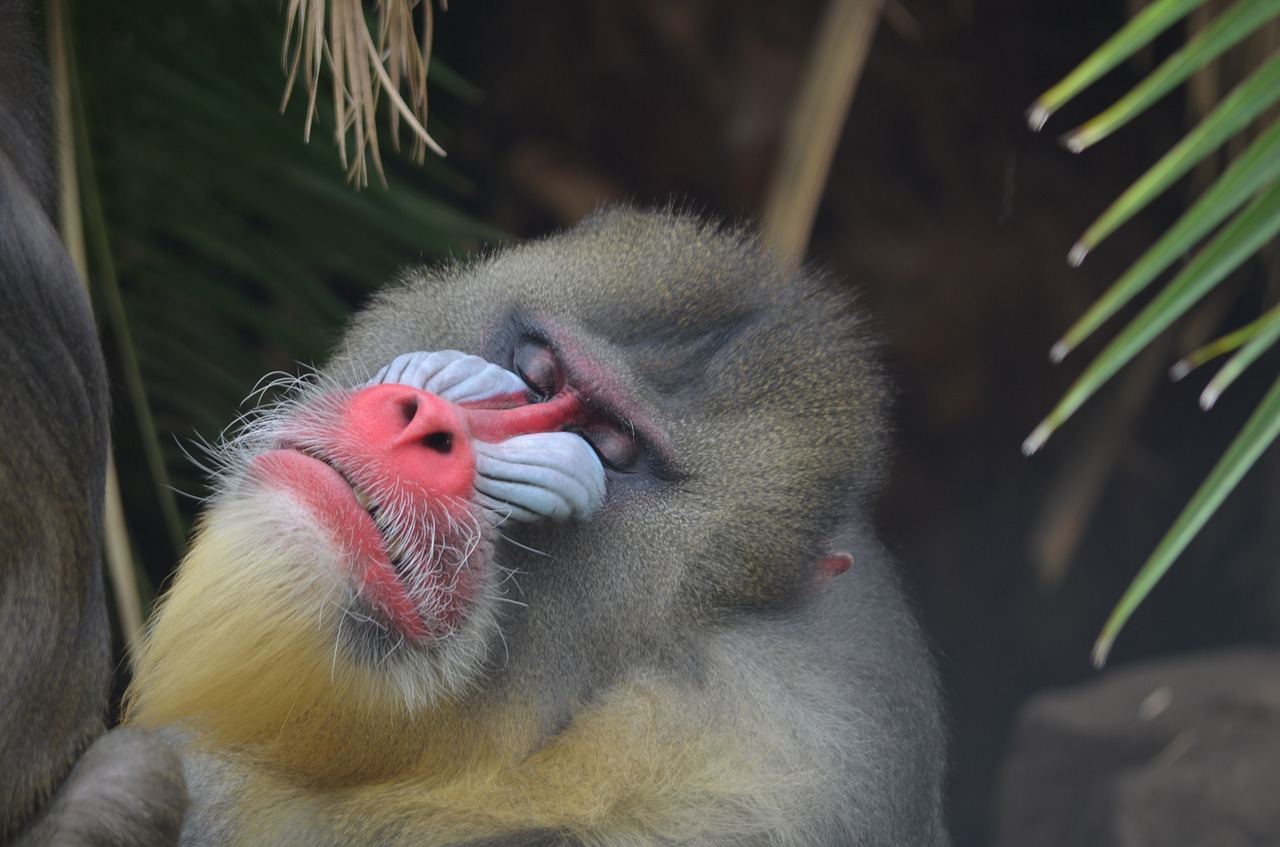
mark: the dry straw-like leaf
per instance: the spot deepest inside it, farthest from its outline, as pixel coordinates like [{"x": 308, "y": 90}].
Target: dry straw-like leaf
[{"x": 335, "y": 33}]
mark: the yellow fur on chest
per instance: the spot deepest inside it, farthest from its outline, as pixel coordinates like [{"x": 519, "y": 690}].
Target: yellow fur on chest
[
  {"x": 638, "y": 766},
  {"x": 242, "y": 664}
]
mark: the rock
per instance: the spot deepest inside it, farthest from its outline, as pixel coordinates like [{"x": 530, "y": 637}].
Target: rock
[{"x": 1181, "y": 752}]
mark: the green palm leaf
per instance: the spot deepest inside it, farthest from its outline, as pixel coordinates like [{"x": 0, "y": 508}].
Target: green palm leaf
[
  {"x": 1259, "y": 432},
  {"x": 1229, "y": 29},
  {"x": 1255, "y": 169},
  {"x": 1263, "y": 334},
  {"x": 1132, "y": 37},
  {"x": 1243, "y": 204},
  {"x": 1239, "y": 240},
  {"x": 1236, "y": 111}
]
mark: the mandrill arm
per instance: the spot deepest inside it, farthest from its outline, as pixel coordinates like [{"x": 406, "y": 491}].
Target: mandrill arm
[{"x": 61, "y": 780}]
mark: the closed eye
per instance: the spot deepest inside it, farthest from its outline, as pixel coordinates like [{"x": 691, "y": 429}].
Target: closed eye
[
  {"x": 617, "y": 446},
  {"x": 614, "y": 441},
  {"x": 536, "y": 364}
]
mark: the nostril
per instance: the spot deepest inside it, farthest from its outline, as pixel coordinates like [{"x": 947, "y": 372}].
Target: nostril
[
  {"x": 440, "y": 442},
  {"x": 409, "y": 409}
]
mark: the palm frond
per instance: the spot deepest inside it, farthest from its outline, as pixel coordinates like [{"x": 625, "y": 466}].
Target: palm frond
[
  {"x": 362, "y": 70},
  {"x": 1242, "y": 205}
]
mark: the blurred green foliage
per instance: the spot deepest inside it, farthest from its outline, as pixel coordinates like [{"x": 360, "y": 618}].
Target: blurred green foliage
[{"x": 222, "y": 247}]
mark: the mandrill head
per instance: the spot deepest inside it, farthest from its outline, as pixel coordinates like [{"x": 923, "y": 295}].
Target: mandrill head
[{"x": 523, "y": 485}]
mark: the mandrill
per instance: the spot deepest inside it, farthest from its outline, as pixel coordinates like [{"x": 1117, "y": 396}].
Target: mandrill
[{"x": 568, "y": 546}]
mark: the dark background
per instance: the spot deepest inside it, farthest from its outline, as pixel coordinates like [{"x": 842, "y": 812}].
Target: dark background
[{"x": 952, "y": 221}]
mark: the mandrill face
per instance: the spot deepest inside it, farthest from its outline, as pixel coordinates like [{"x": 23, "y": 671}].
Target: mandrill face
[{"x": 403, "y": 485}]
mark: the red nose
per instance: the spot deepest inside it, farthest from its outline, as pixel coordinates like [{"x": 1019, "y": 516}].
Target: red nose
[{"x": 415, "y": 437}]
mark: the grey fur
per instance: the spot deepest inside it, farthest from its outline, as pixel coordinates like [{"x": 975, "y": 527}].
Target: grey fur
[{"x": 55, "y": 660}]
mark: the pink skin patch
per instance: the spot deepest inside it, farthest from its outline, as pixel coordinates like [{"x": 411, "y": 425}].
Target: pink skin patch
[
  {"x": 830, "y": 567},
  {"x": 325, "y": 494},
  {"x": 413, "y": 438},
  {"x": 403, "y": 439}
]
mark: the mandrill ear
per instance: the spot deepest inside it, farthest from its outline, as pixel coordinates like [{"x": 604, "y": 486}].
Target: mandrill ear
[
  {"x": 452, "y": 375},
  {"x": 830, "y": 567}
]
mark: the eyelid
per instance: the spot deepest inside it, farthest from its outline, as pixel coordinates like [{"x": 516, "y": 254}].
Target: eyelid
[
  {"x": 613, "y": 438},
  {"x": 615, "y": 443},
  {"x": 536, "y": 364}
]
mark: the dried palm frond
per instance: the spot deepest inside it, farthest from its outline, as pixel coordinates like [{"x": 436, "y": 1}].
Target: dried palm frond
[{"x": 336, "y": 33}]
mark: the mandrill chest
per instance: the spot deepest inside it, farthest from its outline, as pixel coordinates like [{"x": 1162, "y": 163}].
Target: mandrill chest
[{"x": 647, "y": 759}]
